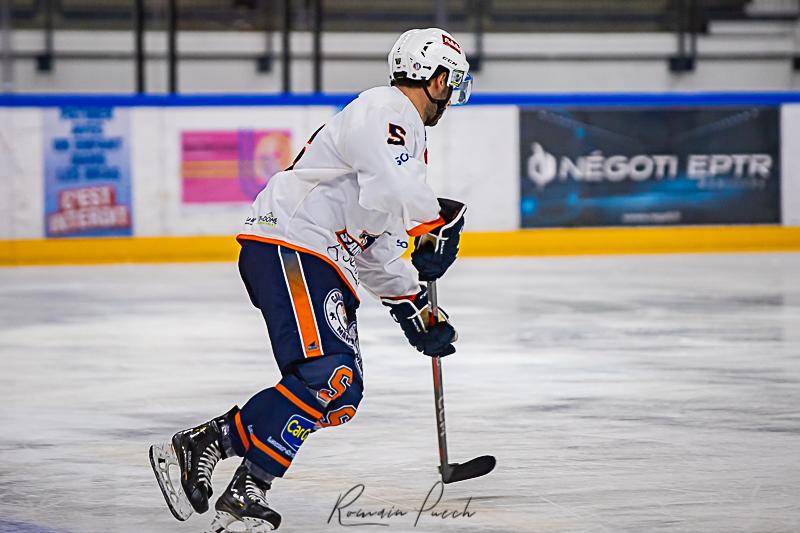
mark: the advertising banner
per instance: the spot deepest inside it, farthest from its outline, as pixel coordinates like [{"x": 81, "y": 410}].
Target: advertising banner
[
  {"x": 87, "y": 172},
  {"x": 649, "y": 166},
  {"x": 231, "y": 166}
]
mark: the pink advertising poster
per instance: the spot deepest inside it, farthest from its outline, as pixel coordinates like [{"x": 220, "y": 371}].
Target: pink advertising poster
[{"x": 231, "y": 166}]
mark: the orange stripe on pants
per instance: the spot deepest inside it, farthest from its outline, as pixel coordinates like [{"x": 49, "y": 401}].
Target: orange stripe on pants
[
  {"x": 240, "y": 429},
  {"x": 304, "y": 313},
  {"x": 298, "y": 402},
  {"x": 269, "y": 451}
]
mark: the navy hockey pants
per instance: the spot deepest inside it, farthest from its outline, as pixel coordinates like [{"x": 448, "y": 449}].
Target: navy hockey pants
[{"x": 310, "y": 314}]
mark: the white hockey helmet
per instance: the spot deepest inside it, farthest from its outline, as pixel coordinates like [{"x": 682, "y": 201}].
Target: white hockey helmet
[{"x": 418, "y": 53}]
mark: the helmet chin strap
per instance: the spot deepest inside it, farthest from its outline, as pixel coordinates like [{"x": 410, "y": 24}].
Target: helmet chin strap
[{"x": 441, "y": 105}]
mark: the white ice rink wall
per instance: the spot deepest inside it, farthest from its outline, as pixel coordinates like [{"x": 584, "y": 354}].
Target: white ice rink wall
[
  {"x": 474, "y": 156},
  {"x": 167, "y": 151},
  {"x": 790, "y": 147}
]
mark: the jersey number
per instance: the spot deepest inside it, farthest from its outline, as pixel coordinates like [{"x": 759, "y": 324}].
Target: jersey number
[{"x": 397, "y": 135}]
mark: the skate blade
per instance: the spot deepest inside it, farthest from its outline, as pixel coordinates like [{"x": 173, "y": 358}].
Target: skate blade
[
  {"x": 227, "y": 523},
  {"x": 162, "y": 456}
]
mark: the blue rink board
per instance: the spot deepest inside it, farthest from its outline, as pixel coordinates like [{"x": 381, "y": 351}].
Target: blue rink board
[{"x": 549, "y": 99}]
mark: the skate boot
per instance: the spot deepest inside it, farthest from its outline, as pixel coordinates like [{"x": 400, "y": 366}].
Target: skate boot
[
  {"x": 193, "y": 454},
  {"x": 244, "y": 502}
]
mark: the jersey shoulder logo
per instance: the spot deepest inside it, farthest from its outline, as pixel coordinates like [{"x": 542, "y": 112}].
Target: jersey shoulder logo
[{"x": 397, "y": 135}]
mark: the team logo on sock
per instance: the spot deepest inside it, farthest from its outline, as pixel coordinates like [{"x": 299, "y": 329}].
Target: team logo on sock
[
  {"x": 336, "y": 316},
  {"x": 296, "y": 431}
]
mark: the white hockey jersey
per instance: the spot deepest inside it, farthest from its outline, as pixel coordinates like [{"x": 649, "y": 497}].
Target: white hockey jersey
[{"x": 354, "y": 194}]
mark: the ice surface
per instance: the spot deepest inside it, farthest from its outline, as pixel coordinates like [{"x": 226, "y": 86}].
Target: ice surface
[{"x": 655, "y": 393}]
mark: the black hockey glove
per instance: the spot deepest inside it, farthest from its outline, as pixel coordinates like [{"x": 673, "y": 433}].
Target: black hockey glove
[
  {"x": 434, "y": 252},
  {"x": 413, "y": 315}
]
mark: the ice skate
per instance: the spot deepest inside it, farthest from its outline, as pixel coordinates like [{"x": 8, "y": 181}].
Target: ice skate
[
  {"x": 243, "y": 507},
  {"x": 190, "y": 457}
]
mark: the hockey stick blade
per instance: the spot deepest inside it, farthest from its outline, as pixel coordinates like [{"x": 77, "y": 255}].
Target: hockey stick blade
[{"x": 480, "y": 466}]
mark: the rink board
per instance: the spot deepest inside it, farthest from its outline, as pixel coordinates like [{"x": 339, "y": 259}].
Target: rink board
[
  {"x": 168, "y": 197},
  {"x": 522, "y": 243}
]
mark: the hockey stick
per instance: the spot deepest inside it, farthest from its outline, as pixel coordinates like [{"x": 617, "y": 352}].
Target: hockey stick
[{"x": 451, "y": 472}]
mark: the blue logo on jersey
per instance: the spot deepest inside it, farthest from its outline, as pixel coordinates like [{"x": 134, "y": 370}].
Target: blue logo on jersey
[{"x": 296, "y": 431}]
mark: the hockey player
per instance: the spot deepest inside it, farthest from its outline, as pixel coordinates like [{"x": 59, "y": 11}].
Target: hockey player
[{"x": 339, "y": 217}]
